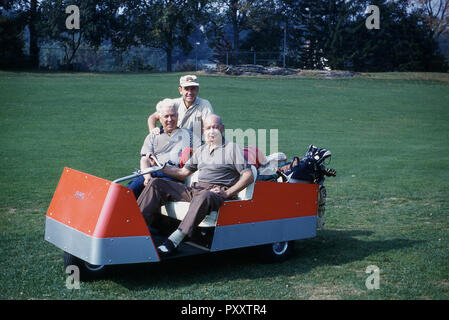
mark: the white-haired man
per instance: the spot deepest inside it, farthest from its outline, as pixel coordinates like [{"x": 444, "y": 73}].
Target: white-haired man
[{"x": 166, "y": 147}]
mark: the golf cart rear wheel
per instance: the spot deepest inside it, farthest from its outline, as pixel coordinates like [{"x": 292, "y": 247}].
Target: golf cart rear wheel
[
  {"x": 87, "y": 271},
  {"x": 276, "y": 252}
]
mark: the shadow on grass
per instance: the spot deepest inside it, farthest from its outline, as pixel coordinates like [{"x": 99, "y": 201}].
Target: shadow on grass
[{"x": 330, "y": 247}]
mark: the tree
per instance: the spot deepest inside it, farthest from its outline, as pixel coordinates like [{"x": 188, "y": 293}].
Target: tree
[
  {"x": 26, "y": 13},
  {"x": 32, "y": 22},
  {"x": 333, "y": 33},
  {"x": 235, "y": 14},
  {"x": 265, "y": 22},
  {"x": 436, "y": 13},
  {"x": 218, "y": 41},
  {"x": 306, "y": 32},
  {"x": 12, "y": 54},
  {"x": 162, "y": 24},
  {"x": 403, "y": 42},
  {"x": 339, "y": 30},
  {"x": 96, "y": 21}
]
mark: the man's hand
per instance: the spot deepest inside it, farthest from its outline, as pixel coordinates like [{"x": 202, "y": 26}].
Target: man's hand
[
  {"x": 245, "y": 180},
  {"x": 156, "y": 131},
  {"x": 222, "y": 193},
  {"x": 147, "y": 180},
  {"x": 148, "y": 156},
  {"x": 152, "y": 120}
]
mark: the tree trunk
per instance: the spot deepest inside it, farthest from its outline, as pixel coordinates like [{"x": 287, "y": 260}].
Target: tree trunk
[
  {"x": 34, "y": 47},
  {"x": 72, "y": 48},
  {"x": 236, "y": 32},
  {"x": 168, "y": 52}
]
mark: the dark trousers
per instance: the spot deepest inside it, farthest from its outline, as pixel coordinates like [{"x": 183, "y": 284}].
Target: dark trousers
[
  {"x": 136, "y": 185},
  {"x": 202, "y": 201}
]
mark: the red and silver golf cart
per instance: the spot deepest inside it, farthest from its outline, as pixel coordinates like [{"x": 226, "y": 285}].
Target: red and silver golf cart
[{"x": 97, "y": 222}]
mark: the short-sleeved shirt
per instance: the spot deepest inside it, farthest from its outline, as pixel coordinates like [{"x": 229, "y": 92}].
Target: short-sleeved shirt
[
  {"x": 223, "y": 165},
  {"x": 167, "y": 147},
  {"x": 199, "y": 110}
]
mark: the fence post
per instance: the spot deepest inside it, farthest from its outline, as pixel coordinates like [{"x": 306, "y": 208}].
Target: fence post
[
  {"x": 255, "y": 57},
  {"x": 285, "y": 44},
  {"x": 227, "y": 58}
]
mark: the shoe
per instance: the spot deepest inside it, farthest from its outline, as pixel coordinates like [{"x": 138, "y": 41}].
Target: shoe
[{"x": 167, "y": 248}]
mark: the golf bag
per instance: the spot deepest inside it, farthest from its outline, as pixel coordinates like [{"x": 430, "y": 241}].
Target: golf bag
[{"x": 310, "y": 168}]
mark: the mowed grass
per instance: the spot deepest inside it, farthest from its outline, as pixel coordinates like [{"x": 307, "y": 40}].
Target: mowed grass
[{"x": 388, "y": 205}]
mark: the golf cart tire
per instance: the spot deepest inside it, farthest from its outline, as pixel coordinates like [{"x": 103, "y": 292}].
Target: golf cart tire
[
  {"x": 87, "y": 271},
  {"x": 276, "y": 252}
]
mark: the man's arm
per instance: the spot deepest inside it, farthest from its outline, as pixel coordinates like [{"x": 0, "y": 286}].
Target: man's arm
[
  {"x": 177, "y": 173},
  {"x": 245, "y": 180},
  {"x": 207, "y": 111},
  {"x": 146, "y": 162},
  {"x": 152, "y": 121}
]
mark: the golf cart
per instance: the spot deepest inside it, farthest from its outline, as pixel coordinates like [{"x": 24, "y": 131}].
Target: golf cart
[{"x": 97, "y": 222}]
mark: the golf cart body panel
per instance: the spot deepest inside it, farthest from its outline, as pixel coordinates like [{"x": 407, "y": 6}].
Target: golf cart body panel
[
  {"x": 277, "y": 212},
  {"x": 99, "y": 221}
]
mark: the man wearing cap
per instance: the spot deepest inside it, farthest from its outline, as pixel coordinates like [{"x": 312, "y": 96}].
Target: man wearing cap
[
  {"x": 222, "y": 173},
  {"x": 191, "y": 108}
]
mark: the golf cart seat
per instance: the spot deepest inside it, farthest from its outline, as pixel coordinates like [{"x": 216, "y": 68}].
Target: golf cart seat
[{"x": 178, "y": 209}]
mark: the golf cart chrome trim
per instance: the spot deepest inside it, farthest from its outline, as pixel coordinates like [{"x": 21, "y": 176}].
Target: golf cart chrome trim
[
  {"x": 100, "y": 251},
  {"x": 265, "y": 232}
]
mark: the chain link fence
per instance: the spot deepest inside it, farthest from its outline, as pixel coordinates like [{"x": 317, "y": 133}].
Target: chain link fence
[
  {"x": 148, "y": 60},
  {"x": 103, "y": 60},
  {"x": 264, "y": 58}
]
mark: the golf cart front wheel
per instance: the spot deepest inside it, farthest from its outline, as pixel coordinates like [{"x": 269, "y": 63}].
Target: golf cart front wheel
[
  {"x": 87, "y": 271},
  {"x": 277, "y": 252}
]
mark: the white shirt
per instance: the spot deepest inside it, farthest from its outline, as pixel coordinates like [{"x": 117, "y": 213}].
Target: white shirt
[
  {"x": 167, "y": 147},
  {"x": 200, "y": 109}
]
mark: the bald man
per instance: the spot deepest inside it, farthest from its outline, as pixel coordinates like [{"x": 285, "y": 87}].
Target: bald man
[{"x": 222, "y": 173}]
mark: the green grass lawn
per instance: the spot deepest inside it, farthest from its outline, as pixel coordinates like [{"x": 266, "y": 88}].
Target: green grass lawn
[{"x": 388, "y": 205}]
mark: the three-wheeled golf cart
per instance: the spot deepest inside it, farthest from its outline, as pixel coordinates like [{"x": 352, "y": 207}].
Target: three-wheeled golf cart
[{"x": 97, "y": 222}]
